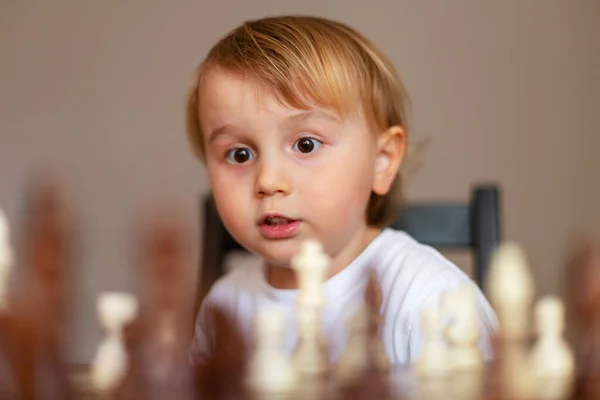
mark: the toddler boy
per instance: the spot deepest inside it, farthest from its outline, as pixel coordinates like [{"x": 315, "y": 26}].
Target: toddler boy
[{"x": 301, "y": 125}]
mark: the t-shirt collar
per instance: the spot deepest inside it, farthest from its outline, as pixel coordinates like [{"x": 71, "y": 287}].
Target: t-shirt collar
[{"x": 351, "y": 278}]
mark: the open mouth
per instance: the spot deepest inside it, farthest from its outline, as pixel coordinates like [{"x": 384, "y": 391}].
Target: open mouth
[
  {"x": 278, "y": 226},
  {"x": 275, "y": 221}
]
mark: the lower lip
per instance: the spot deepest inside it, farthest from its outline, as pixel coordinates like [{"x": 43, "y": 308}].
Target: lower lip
[{"x": 283, "y": 231}]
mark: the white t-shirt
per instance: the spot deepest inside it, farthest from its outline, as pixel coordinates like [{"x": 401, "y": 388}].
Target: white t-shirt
[{"x": 412, "y": 276}]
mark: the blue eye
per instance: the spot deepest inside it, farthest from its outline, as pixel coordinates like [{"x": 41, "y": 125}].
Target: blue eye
[
  {"x": 239, "y": 155},
  {"x": 307, "y": 145}
]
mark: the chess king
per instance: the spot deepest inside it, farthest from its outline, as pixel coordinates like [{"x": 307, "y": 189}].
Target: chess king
[{"x": 301, "y": 124}]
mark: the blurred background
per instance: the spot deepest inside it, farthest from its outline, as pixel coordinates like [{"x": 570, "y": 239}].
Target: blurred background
[{"x": 505, "y": 91}]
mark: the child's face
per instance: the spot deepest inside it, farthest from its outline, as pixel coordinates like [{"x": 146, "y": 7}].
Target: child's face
[{"x": 313, "y": 169}]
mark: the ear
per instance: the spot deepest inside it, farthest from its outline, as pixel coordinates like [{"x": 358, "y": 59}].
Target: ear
[{"x": 390, "y": 153}]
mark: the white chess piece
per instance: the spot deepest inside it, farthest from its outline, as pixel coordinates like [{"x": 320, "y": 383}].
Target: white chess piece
[
  {"x": 109, "y": 366},
  {"x": 270, "y": 371},
  {"x": 311, "y": 265},
  {"x": 6, "y": 260},
  {"x": 511, "y": 290},
  {"x": 432, "y": 361},
  {"x": 552, "y": 358},
  {"x": 464, "y": 330}
]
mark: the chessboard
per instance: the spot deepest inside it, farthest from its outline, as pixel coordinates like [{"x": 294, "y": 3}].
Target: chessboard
[{"x": 144, "y": 353}]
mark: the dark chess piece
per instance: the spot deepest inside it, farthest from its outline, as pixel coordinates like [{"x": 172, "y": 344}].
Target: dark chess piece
[
  {"x": 373, "y": 380},
  {"x": 584, "y": 297},
  {"x": 9, "y": 387},
  {"x": 41, "y": 316},
  {"x": 373, "y": 301},
  {"x": 157, "y": 342},
  {"x": 222, "y": 375}
]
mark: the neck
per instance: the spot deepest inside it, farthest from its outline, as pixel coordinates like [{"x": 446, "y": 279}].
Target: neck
[{"x": 284, "y": 277}]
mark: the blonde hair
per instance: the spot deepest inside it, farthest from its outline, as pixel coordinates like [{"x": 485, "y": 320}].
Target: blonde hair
[{"x": 306, "y": 61}]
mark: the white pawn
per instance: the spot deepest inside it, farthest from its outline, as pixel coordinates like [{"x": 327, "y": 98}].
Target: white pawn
[
  {"x": 552, "y": 358},
  {"x": 270, "y": 371},
  {"x": 110, "y": 364},
  {"x": 6, "y": 260},
  {"x": 511, "y": 290},
  {"x": 464, "y": 331},
  {"x": 433, "y": 360}
]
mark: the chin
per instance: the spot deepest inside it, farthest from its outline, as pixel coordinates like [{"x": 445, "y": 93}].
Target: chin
[{"x": 278, "y": 253}]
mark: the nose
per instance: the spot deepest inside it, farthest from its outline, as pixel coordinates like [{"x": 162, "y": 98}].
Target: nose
[{"x": 272, "y": 179}]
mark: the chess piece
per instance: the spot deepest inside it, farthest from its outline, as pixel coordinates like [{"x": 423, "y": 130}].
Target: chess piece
[
  {"x": 222, "y": 375},
  {"x": 432, "y": 362},
  {"x": 583, "y": 271},
  {"x": 42, "y": 305},
  {"x": 157, "y": 341},
  {"x": 373, "y": 380},
  {"x": 464, "y": 357},
  {"x": 511, "y": 290},
  {"x": 373, "y": 301},
  {"x": 115, "y": 311},
  {"x": 364, "y": 360},
  {"x": 431, "y": 368},
  {"x": 354, "y": 360},
  {"x": 310, "y": 356},
  {"x": 270, "y": 372},
  {"x": 552, "y": 359},
  {"x": 169, "y": 301},
  {"x": 464, "y": 331},
  {"x": 311, "y": 266},
  {"x": 48, "y": 258}
]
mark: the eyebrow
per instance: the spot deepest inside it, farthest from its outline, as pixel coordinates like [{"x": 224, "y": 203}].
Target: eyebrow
[
  {"x": 312, "y": 114},
  {"x": 215, "y": 133},
  {"x": 293, "y": 119}
]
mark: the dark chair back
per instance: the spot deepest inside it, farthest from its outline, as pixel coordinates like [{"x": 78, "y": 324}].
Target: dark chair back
[{"x": 473, "y": 226}]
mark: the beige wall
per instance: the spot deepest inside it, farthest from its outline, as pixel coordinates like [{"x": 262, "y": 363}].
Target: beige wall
[{"x": 507, "y": 91}]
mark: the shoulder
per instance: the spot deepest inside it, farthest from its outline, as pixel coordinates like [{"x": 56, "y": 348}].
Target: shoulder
[
  {"x": 413, "y": 277},
  {"x": 406, "y": 264},
  {"x": 412, "y": 274}
]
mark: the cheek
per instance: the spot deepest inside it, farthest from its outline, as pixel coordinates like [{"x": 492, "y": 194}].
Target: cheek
[
  {"x": 234, "y": 214},
  {"x": 231, "y": 198},
  {"x": 343, "y": 188},
  {"x": 226, "y": 181},
  {"x": 354, "y": 174}
]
